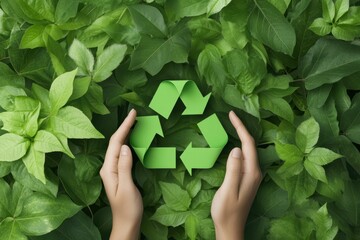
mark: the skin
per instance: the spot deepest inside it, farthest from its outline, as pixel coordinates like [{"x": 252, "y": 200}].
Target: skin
[{"x": 231, "y": 203}]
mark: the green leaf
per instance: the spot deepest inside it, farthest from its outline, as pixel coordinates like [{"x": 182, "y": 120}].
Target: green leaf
[
  {"x": 346, "y": 32},
  {"x": 248, "y": 103},
  {"x": 34, "y": 161},
  {"x": 300, "y": 187},
  {"x": 107, "y": 61},
  {"x": 42, "y": 214},
  {"x": 322, "y": 156},
  {"x": 185, "y": 8},
  {"x": 270, "y": 27},
  {"x": 307, "y": 135},
  {"x": 21, "y": 175},
  {"x": 80, "y": 225},
  {"x": 211, "y": 68},
  {"x": 153, "y": 230},
  {"x": 46, "y": 142},
  {"x": 278, "y": 106},
  {"x": 82, "y": 57},
  {"x": 153, "y": 53},
  {"x": 9, "y": 78},
  {"x": 316, "y": 68},
  {"x": 65, "y": 10},
  {"x": 168, "y": 217},
  {"x": 191, "y": 226},
  {"x": 73, "y": 123},
  {"x": 292, "y": 156},
  {"x": 33, "y": 37},
  {"x": 61, "y": 90},
  {"x": 350, "y": 120},
  {"x": 149, "y": 20},
  {"x": 325, "y": 226},
  {"x": 10, "y": 230},
  {"x": 328, "y": 9},
  {"x": 206, "y": 229},
  {"x": 95, "y": 97},
  {"x": 320, "y": 27},
  {"x": 12, "y": 147},
  {"x": 193, "y": 187},
  {"x": 315, "y": 170},
  {"x": 175, "y": 197}
]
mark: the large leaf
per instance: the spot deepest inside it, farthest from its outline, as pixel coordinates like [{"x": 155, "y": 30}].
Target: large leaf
[
  {"x": 328, "y": 61},
  {"x": 270, "y": 27}
]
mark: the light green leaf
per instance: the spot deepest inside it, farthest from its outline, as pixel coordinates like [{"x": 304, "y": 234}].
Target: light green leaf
[
  {"x": 175, "y": 197},
  {"x": 320, "y": 27},
  {"x": 288, "y": 152},
  {"x": 191, "y": 226},
  {"x": 34, "y": 161},
  {"x": 42, "y": 95},
  {"x": 307, "y": 135},
  {"x": 82, "y": 57},
  {"x": 33, "y": 37},
  {"x": 193, "y": 187},
  {"x": 42, "y": 214},
  {"x": 73, "y": 123},
  {"x": 185, "y": 8},
  {"x": 153, "y": 53},
  {"x": 10, "y": 230},
  {"x": 215, "y": 6},
  {"x": 46, "y": 142},
  {"x": 95, "y": 97},
  {"x": 270, "y": 27},
  {"x": 328, "y": 9},
  {"x": 322, "y": 156},
  {"x": 81, "y": 86},
  {"x": 346, "y": 32},
  {"x": 316, "y": 68},
  {"x": 169, "y": 217},
  {"x": 341, "y": 7},
  {"x": 315, "y": 170},
  {"x": 107, "y": 61},
  {"x": 12, "y": 147},
  {"x": 61, "y": 90}
]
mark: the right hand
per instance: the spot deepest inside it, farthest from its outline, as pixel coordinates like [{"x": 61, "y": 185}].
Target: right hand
[{"x": 233, "y": 200}]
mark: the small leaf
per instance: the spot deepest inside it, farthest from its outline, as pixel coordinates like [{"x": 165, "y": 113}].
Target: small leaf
[
  {"x": 46, "y": 142},
  {"x": 12, "y": 147},
  {"x": 82, "y": 57},
  {"x": 73, "y": 123},
  {"x": 175, "y": 197},
  {"x": 215, "y": 6},
  {"x": 169, "y": 217},
  {"x": 307, "y": 135},
  {"x": 322, "y": 156},
  {"x": 32, "y": 37},
  {"x": 320, "y": 27},
  {"x": 191, "y": 226},
  {"x": 34, "y": 161},
  {"x": 328, "y": 9},
  {"x": 61, "y": 90},
  {"x": 316, "y": 171}
]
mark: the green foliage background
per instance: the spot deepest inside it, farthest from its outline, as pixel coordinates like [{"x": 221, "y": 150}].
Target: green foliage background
[{"x": 289, "y": 68}]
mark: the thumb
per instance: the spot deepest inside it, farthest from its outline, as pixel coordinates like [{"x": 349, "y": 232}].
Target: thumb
[
  {"x": 233, "y": 169},
  {"x": 125, "y": 164}
]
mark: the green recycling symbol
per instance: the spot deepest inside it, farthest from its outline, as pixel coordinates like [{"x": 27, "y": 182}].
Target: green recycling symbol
[{"x": 163, "y": 103}]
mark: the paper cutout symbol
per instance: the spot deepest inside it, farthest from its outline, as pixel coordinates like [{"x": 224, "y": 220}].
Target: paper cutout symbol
[{"x": 163, "y": 103}]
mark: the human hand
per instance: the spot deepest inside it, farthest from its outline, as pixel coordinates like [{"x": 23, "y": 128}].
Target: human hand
[
  {"x": 232, "y": 201},
  {"x": 125, "y": 199}
]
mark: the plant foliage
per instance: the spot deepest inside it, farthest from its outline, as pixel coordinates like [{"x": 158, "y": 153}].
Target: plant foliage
[{"x": 71, "y": 69}]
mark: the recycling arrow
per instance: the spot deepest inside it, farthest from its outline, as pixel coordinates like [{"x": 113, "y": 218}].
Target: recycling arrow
[{"x": 148, "y": 127}]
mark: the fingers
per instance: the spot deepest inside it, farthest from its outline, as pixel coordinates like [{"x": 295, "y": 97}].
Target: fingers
[
  {"x": 125, "y": 165},
  {"x": 117, "y": 140},
  {"x": 233, "y": 173},
  {"x": 247, "y": 142}
]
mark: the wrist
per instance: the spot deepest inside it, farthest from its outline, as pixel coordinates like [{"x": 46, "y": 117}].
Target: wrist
[
  {"x": 125, "y": 231},
  {"x": 229, "y": 233}
]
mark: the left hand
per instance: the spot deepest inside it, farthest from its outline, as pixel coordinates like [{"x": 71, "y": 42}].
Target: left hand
[{"x": 124, "y": 197}]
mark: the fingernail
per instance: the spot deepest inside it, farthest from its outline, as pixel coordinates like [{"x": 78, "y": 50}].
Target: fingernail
[
  {"x": 124, "y": 151},
  {"x": 236, "y": 153},
  {"x": 131, "y": 111}
]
